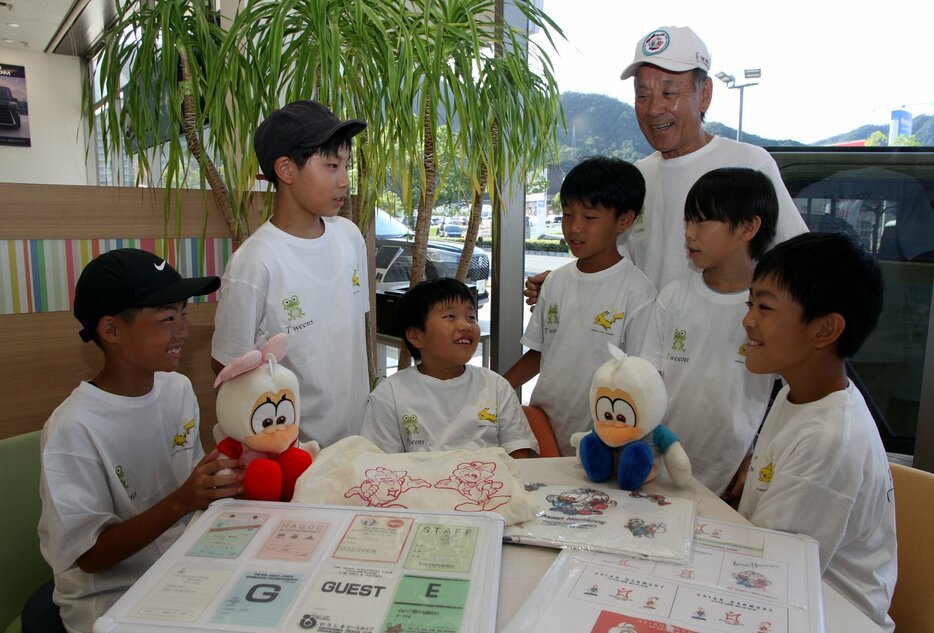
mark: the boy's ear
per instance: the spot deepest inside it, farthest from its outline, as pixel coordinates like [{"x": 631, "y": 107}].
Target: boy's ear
[
  {"x": 625, "y": 220},
  {"x": 749, "y": 228},
  {"x": 827, "y": 329},
  {"x": 283, "y": 168},
  {"x": 107, "y": 329},
  {"x": 414, "y": 336}
]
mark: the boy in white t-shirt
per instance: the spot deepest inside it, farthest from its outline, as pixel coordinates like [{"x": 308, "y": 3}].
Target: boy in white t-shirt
[
  {"x": 599, "y": 298},
  {"x": 122, "y": 463},
  {"x": 444, "y": 403},
  {"x": 819, "y": 467},
  {"x": 696, "y": 338},
  {"x": 304, "y": 272}
]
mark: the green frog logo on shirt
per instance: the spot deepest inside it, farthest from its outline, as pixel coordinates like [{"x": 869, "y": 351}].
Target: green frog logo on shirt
[
  {"x": 293, "y": 307},
  {"x": 552, "y": 315},
  {"x": 678, "y": 341},
  {"x": 410, "y": 424},
  {"x": 121, "y": 475}
]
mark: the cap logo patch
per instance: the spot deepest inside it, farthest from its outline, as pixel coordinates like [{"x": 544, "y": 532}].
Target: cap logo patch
[
  {"x": 655, "y": 43},
  {"x": 159, "y": 267}
]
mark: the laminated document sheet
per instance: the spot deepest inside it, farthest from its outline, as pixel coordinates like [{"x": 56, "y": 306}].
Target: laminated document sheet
[
  {"x": 636, "y": 524},
  {"x": 740, "y": 578},
  {"x": 259, "y": 566}
]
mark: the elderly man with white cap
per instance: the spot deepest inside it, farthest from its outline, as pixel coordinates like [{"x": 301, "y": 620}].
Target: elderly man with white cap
[{"x": 673, "y": 94}]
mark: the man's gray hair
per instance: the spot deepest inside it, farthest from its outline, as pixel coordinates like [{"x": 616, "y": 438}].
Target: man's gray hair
[{"x": 700, "y": 78}]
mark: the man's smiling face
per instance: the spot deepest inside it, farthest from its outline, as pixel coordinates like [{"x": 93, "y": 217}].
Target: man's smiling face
[{"x": 669, "y": 107}]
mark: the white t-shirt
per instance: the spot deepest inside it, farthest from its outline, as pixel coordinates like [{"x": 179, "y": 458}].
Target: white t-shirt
[
  {"x": 820, "y": 469},
  {"x": 106, "y": 459},
  {"x": 577, "y": 314},
  {"x": 410, "y": 412},
  {"x": 715, "y": 405},
  {"x": 656, "y": 239},
  {"x": 314, "y": 290}
]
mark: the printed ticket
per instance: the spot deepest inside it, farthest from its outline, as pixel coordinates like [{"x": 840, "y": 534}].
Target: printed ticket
[
  {"x": 258, "y": 599},
  {"x": 428, "y": 605},
  {"x": 293, "y": 540},
  {"x": 345, "y": 599},
  {"x": 227, "y": 537},
  {"x": 377, "y": 538},
  {"x": 443, "y": 548},
  {"x": 181, "y": 594}
]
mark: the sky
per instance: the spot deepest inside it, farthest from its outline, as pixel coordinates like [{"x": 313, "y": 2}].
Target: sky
[{"x": 827, "y": 67}]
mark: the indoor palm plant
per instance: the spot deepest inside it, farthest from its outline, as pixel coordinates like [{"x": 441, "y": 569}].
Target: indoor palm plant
[{"x": 411, "y": 69}]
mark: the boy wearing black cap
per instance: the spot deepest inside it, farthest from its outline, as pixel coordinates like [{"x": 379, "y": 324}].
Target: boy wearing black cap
[
  {"x": 304, "y": 272},
  {"x": 122, "y": 462}
]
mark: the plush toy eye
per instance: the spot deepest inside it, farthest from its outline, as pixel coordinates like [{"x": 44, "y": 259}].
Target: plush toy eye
[
  {"x": 263, "y": 416},
  {"x": 604, "y": 409},
  {"x": 285, "y": 412},
  {"x": 623, "y": 413}
]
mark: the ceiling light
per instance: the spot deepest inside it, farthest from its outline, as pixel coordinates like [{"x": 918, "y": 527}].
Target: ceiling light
[{"x": 13, "y": 25}]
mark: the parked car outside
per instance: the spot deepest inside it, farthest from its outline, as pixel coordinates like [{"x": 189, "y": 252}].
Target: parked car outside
[
  {"x": 9, "y": 109},
  {"x": 394, "y": 258},
  {"x": 452, "y": 230}
]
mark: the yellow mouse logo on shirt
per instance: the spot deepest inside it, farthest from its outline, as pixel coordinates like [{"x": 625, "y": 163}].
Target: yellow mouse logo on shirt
[
  {"x": 486, "y": 414},
  {"x": 765, "y": 473},
  {"x": 355, "y": 279},
  {"x": 606, "y": 321},
  {"x": 181, "y": 438}
]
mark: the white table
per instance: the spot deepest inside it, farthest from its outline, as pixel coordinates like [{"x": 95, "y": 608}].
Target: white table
[{"x": 524, "y": 565}]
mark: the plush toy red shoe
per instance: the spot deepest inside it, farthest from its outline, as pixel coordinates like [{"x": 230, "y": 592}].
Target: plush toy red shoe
[{"x": 258, "y": 413}]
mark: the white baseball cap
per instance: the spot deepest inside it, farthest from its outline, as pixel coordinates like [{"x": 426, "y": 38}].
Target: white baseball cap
[{"x": 674, "y": 48}]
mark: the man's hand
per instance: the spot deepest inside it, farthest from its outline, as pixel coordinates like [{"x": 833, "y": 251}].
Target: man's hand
[{"x": 533, "y": 285}]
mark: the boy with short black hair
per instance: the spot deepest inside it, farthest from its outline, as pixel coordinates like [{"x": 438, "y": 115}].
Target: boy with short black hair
[
  {"x": 443, "y": 402},
  {"x": 696, "y": 339},
  {"x": 304, "y": 272},
  {"x": 122, "y": 462},
  {"x": 819, "y": 467},
  {"x": 601, "y": 297}
]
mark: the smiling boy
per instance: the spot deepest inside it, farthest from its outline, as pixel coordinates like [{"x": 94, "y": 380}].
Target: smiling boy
[
  {"x": 304, "y": 272},
  {"x": 819, "y": 467},
  {"x": 601, "y": 297},
  {"x": 443, "y": 402},
  {"x": 122, "y": 463}
]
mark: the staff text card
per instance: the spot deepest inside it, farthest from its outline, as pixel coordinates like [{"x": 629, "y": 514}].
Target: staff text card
[{"x": 443, "y": 548}]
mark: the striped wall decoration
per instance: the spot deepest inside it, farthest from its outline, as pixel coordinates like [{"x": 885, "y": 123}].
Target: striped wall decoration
[{"x": 40, "y": 275}]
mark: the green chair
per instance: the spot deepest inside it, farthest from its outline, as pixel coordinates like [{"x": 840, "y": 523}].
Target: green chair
[{"x": 22, "y": 568}]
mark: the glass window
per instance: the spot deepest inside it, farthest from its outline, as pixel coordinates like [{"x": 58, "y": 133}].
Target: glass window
[{"x": 884, "y": 199}]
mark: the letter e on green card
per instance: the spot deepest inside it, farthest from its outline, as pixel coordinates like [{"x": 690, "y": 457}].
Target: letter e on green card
[{"x": 428, "y": 605}]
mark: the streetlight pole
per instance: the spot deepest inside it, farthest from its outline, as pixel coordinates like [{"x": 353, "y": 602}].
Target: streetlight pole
[{"x": 730, "y": 81}]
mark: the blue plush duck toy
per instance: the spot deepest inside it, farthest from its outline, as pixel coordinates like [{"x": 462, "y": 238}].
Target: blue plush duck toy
[{"x": 628, "y": 399}]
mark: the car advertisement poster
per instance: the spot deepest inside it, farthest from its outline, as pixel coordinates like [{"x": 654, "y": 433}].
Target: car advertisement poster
[{"x": 14, "y": 107}]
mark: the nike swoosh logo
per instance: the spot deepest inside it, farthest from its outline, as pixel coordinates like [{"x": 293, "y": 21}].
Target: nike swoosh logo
[{"x": 161, "y": 266}]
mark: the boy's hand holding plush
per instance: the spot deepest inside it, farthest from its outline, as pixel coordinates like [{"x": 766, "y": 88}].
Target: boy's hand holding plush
[
  {"x": 628, "y": 400},
  {"x": 258, "y": 413}
]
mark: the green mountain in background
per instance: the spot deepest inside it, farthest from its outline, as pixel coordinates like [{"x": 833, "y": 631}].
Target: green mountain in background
[{"x": 597, "y": 124}]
